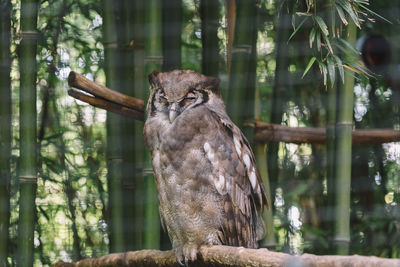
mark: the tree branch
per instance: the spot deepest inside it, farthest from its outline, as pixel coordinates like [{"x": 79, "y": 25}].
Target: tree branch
[
  {"x": 107, "y": 105},
  {"x": 125, "y": 105},
  {"x": 78, "y": 81},
  {"x": 266, "y": 132},
  {"x": 230, "y": 256}
]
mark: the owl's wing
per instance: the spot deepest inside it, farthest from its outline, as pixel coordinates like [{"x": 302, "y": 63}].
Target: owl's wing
[{"x": 237, "y": 179}]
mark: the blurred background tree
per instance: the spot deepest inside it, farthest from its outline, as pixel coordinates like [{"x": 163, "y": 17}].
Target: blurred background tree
[{"x": 295, "y": 63}]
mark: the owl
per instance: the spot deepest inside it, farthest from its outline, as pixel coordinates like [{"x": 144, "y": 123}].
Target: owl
[{"x": 209, "y": 189}]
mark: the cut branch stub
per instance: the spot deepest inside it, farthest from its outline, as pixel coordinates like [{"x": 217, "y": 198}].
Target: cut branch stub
[
  {"x": 107, "y": 105},
  {"x": 78, "y": 81}
]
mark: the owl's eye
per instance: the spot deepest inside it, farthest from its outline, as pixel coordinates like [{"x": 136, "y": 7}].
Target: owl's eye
[
  {"x": 162, "y": 95},
  {"x": 190, "y": 96}
]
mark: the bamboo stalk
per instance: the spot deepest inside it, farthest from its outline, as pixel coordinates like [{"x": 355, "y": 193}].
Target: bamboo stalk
[
  {"x": 280, "y": 88},
  {"x": 241, "y": 96},
  {"x": 139, "y": 86},
  {"x": 5, "y": 128},
  {"x": 343, "y": 127},
  {"x": 171, "y": 34},
  {"x": 209, "y": 14},
  {"x": 28, "y": 142},
  {"x": 231, "y": 21},
  {"x": 114, "y": 157},
  {"x": 269, "y": 240},
  {"x": 153, "y": 61},
  {"x": 131, "y": 177},
  {"x": 260, "y": 153},
  {"x": 331, "y": 148}
]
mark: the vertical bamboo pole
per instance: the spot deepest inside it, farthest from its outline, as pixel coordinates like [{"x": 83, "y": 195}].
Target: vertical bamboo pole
[
  {"x": 269, "y": 240},
  {"x": 139, "y": 87},
  {"x": 153, "y": 61},
  {"x": 230, "y": 21},
  {"x": 5, "y": 127},
  {"x": 28, "y": 145},
  {"x": 331, "y": 151},
  {"x": 241, "y": 96},
  {"x": 131, "y": 177},
  {"x": 209, "y": 14},
  {"x": 114, "y": 157},
  {"x": 283, "y": 29},
  {"x": 344, "y": 126},
  {"x": 171, "y": 32}
]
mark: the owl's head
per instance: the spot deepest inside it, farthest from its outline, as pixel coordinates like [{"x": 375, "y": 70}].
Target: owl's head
[{"x": 174, "y": 92}]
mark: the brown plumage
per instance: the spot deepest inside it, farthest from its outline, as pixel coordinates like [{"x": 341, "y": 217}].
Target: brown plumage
[{"x": 209, "y": 189}]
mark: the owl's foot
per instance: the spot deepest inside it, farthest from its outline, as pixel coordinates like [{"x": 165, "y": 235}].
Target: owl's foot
[{"x": 187, "y": 254}]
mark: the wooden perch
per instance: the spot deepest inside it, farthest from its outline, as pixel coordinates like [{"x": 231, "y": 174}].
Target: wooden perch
[
  {"x": 266, "y": 132},
  {"x": 125, "y": 105},
  {"x": 230, "y": 256}
]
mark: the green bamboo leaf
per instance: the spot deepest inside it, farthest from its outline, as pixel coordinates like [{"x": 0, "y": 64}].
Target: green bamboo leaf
[
  {"x": 298, "y": 28},
  {"x": 344, "y": 50},
  {"x": 328, "y": 43},
  {"x": 340, "y": 67},
  {"x": 349, "y": 9},
  {"x": 333, "y": 21},
  {"x": 322, "y": 25},
  {"x": 310, "y": 63},
  {"x": 360, "y": 69},
  {"x": 319, "y": 40},
  {"x": 294, "y": 15},
  {"x": 303, "y": 14},
  {"x": 374, "y": 13},
  {"x": 312, "y": 37},
  {"x": 350, "y": 46},
  {"x": 341, "y": 15},
  {"x": 324, "y": 71},
  {"x": 331, "y": 70}
]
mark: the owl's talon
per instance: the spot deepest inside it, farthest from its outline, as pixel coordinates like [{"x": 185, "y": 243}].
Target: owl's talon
[{"x": 180, "y": 262}]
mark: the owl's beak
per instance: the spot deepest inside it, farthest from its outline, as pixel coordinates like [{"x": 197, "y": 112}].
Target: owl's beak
[{"x": 173, "y": 112}]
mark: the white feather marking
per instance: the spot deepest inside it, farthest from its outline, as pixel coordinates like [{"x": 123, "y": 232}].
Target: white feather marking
[
  {"x": 253, "y": 179},
  {"x": 224, "y": 122},
  {"x": 220, "y": 184},
  {"x": 237, "y": 145},
  {"x": 209, "y": 152},
  {"x": 247, "y": 162},
  {"x": 206, "y": 147}
]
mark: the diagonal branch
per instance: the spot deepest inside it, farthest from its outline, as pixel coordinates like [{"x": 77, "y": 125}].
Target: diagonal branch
[
  {"x": 78, "y": 81},
  {"x": 107, "y": 105}
]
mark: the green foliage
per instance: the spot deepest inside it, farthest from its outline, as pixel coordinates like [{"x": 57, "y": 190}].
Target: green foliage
[{"x": 327, "y": 21}]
